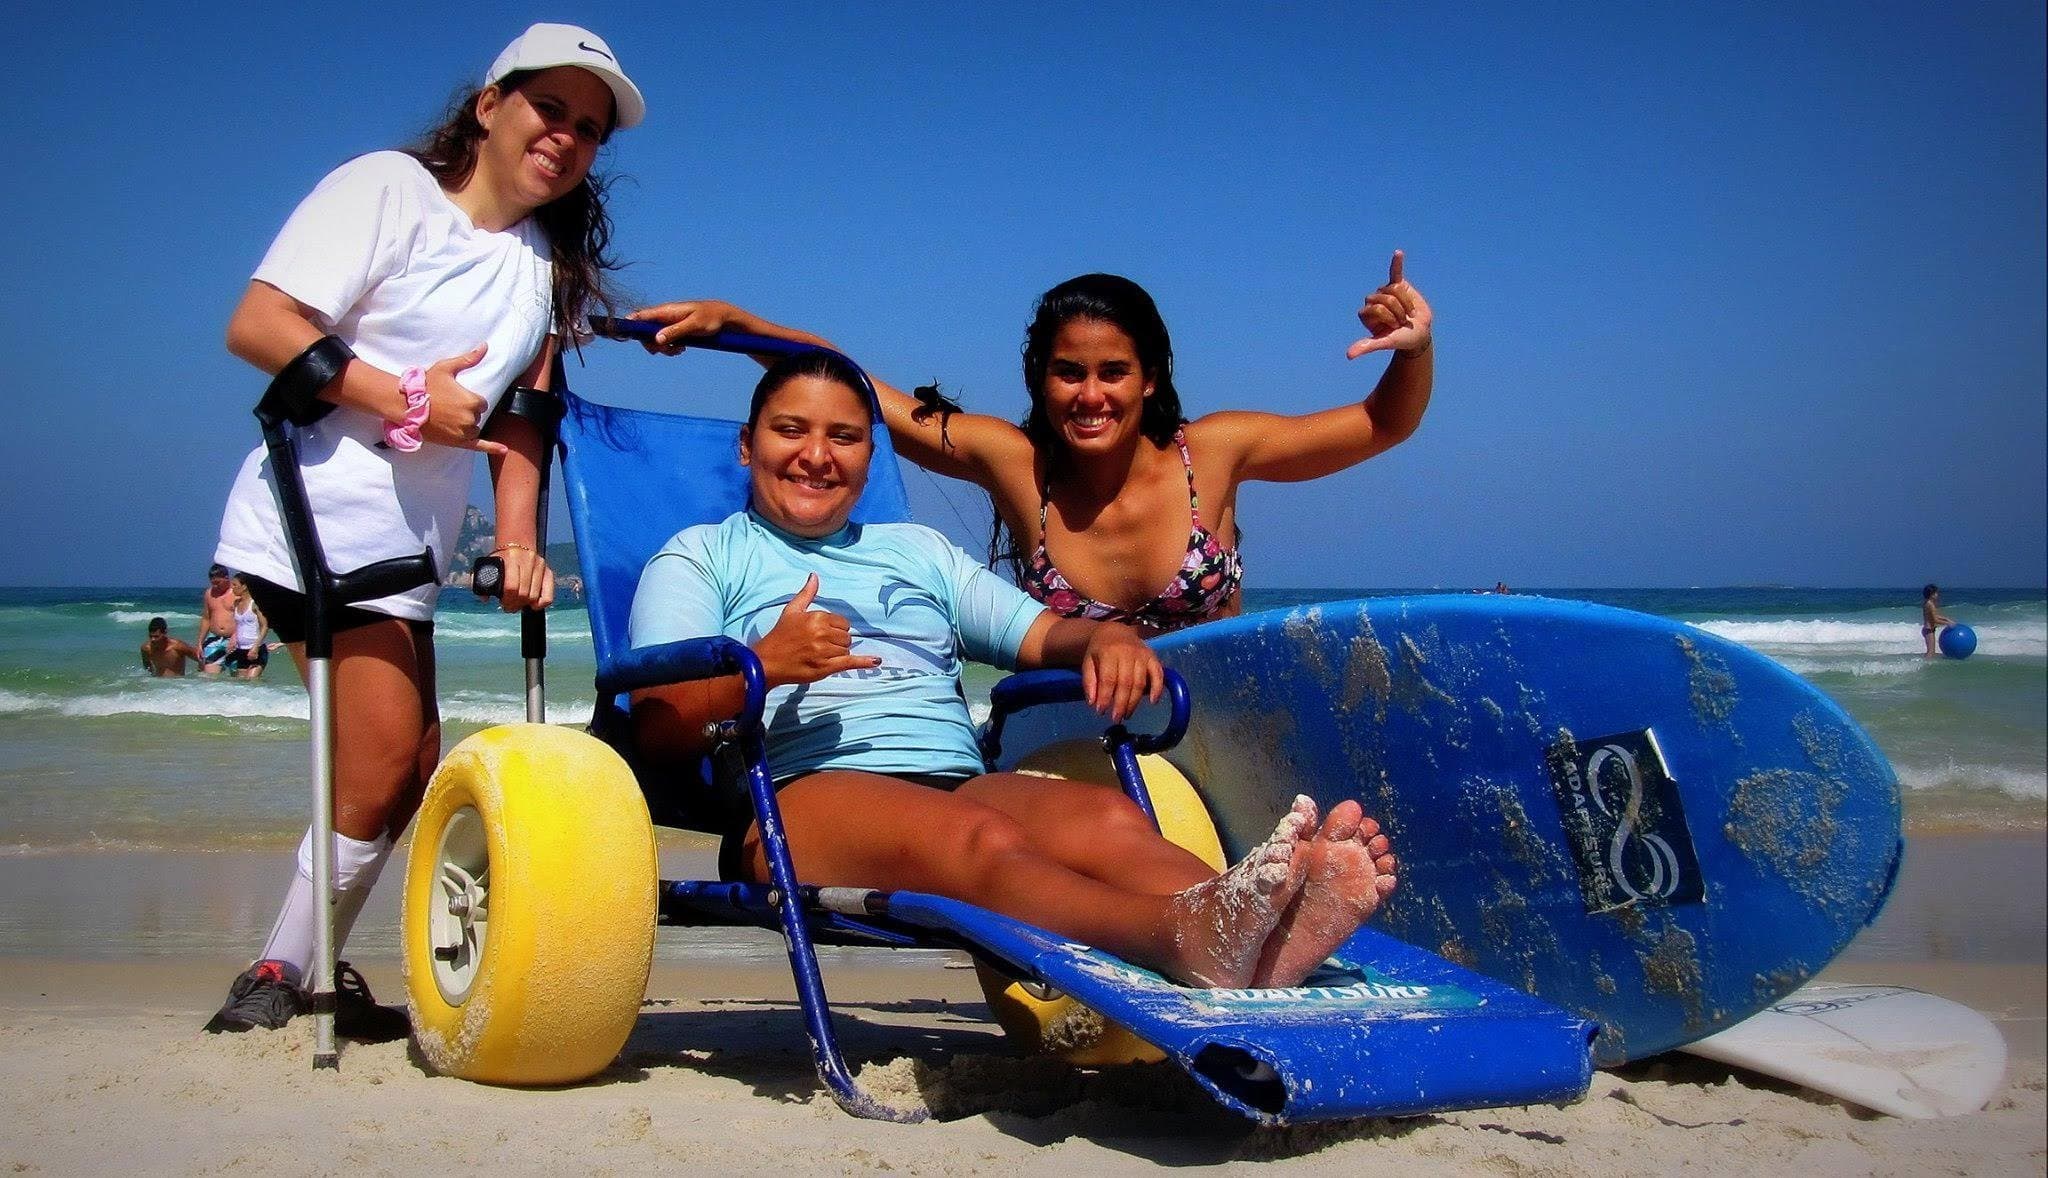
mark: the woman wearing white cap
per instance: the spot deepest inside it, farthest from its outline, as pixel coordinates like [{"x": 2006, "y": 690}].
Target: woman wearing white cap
[{"x": 432, "y": 280}]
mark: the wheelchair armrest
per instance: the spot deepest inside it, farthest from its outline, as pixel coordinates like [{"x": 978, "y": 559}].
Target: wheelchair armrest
[
  {"x": 1028, "y": 689},
  {"x": 683, "y": 662}
]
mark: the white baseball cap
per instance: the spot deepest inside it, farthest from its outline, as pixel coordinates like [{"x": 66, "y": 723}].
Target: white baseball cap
[{"x": 545, "y": 46}]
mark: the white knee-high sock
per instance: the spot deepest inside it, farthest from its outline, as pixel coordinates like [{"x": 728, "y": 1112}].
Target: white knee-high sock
[
  {"x": 291, "y": 938},
  {"x": 357, "y": 865},
  {"x": 365, "y": 863}
]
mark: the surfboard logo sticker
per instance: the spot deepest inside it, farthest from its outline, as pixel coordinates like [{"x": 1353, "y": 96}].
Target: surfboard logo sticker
[
  {"x": 1624, "y": 821},
  {"x": 1808, "y": 1007}
]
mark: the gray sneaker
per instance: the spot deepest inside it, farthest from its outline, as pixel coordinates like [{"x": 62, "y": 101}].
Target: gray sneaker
[{"x": 266, "y": 995}]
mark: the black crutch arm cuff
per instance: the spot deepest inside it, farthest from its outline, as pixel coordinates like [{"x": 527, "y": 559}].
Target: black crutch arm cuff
[
  {"x": 294, "y": 393},
  {"x": 543, "y": 409}
]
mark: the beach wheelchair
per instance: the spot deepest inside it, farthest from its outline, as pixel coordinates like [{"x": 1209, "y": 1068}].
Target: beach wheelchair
[{"x": 532, "y": 892}]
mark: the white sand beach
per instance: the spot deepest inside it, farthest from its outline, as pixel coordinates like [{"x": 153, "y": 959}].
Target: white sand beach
[{"x": 105, "y": 1067}]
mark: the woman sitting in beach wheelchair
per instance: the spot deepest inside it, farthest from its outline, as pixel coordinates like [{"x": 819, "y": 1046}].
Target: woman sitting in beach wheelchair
[{"x": 850, "y": 752}]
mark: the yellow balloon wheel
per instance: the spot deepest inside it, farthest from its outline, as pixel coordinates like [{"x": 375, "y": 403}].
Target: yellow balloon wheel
[
  {"x": 1060, "y": 1026},
  {"x": 529, "y": 908}
]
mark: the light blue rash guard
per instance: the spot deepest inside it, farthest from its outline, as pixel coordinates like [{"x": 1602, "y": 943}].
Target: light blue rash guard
[{"x": 913, "y": 600}]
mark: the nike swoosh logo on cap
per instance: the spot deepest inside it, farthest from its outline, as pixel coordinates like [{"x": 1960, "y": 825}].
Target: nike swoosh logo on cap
[{"x": 594, "y": 49}]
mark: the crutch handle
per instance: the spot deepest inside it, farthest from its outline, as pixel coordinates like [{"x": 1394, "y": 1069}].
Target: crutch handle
[{"x": 383, "y": 578}]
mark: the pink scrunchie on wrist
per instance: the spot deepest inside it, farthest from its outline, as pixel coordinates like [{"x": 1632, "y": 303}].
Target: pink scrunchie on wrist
[{"x": 404, "y": 436}]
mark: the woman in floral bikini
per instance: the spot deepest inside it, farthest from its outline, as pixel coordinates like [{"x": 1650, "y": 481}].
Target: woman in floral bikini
[{"x": 1106, "y": 471}]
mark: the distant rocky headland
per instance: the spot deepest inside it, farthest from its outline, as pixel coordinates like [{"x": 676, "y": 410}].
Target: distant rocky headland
[{"x": 478, "y": 537}]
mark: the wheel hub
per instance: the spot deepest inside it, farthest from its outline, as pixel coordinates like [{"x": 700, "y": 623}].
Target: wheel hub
[{"x": 459, "y": 927}]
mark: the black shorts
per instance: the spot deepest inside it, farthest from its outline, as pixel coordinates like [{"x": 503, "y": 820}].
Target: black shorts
[
  {"x": 731, "y": 783},
  {"x": 285, "y": 610},
  {"x": 257, "y": 656}
]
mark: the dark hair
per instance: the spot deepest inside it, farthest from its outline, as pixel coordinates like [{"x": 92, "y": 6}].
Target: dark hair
[
  {"x": 156, "y": 624},
  {"x": 1123, "y": 304},
  {"x": 1930, "y": 590},
  {"x": 579, "y": 232},
  {"x": 823, "y": 365},
  {"x": 215, "y": 570}
]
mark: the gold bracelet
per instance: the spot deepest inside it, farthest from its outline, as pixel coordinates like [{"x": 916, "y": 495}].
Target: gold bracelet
[{"x": 503, "y": 548}]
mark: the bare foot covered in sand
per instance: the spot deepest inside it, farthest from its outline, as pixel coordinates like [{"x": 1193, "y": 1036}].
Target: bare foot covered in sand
[
  {"x": 1220, "y": 926},
  {"x": 1350, "y": 871}
]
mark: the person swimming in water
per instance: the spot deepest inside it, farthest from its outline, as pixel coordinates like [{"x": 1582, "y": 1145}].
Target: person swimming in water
[
  {"x": 164, "y": 656},
  {"x": 250, "y": 651},
  {"x": 1931, "y": 618},
  {"x": 216, "y": 620}
]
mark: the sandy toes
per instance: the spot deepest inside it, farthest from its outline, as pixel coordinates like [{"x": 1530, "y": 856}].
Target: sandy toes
[
  {"x": 1220, "y": 926},
  {"x": 1350, "y": 871}
]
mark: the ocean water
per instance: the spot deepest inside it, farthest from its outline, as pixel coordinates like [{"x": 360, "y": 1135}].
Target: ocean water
[{"x": 95, "y": 754}]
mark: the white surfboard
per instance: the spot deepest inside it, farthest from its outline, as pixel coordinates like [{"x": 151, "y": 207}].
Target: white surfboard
[{"x": 1886, "y": 1048}]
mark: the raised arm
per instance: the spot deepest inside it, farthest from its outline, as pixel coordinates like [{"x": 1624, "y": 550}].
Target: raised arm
[
  {"x": 1279, "y": 448},
  {"x": 958, "y": 444}
]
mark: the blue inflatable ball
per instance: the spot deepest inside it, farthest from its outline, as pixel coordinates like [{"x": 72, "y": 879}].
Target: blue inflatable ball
[{"x": 1957, "y": 641}]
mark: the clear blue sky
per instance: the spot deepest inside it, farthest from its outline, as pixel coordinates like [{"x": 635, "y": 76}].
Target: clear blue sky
[{"x": 1725, "y": 294}]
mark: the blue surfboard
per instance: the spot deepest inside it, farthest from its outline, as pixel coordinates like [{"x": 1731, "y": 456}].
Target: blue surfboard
[{"x": 1625, "y": 816}]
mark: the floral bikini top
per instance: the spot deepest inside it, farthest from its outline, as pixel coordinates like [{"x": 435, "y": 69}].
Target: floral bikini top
[{"x": 1208, "y": 579}]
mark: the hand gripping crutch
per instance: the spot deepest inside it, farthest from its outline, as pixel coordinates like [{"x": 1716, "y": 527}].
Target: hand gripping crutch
[
  {"x": 543, "y": 410},
  {"x": 293, "y": 399}
]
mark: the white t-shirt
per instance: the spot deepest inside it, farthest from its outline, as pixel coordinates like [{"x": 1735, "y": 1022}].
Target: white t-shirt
[{"x": 401, "y": 275}]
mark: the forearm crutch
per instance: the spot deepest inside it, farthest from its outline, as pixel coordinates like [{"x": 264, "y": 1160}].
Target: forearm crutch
[{"x": 293, "y": 399}]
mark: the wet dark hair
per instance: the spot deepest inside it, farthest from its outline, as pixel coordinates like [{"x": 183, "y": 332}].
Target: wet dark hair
[
  {"x": 1123, "y": 304},
  {"x": 158, "y": 625},
  {"x": 823, "y": 365},
  {"x": 579, "y": 232},
  {"x": 1930, "y": 590}
]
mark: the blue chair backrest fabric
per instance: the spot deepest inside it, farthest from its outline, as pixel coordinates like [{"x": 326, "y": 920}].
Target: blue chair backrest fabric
[{"x": 634, "y": 478}]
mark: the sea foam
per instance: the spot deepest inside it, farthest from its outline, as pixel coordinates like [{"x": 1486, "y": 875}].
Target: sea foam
[
  {"x": 2026, "y": 785},
  {"x": 1822, "y": 636},
  {"x": 467, "y": 628},
  {"x": 233, "y": 700}
]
